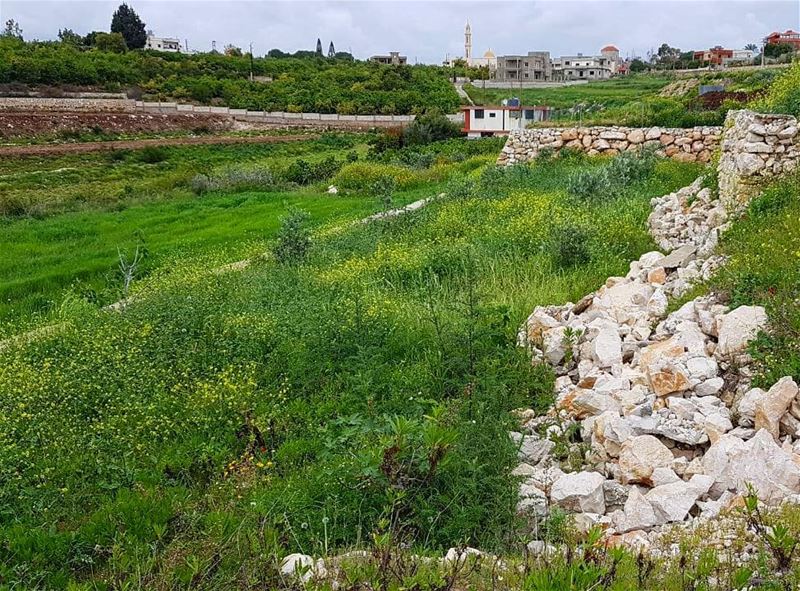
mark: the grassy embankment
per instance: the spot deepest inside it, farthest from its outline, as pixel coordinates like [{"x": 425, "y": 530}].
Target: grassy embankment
[{"x": 223, "y": 421}]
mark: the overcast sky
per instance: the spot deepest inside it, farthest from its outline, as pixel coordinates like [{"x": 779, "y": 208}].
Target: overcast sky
[{"x": 427, "y": 31}]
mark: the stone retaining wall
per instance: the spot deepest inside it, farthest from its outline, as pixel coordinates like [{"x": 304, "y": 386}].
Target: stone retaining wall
[
  {"x": 82, "y": 105},
  {"x": 689, "y": 145},
  {"x": 755, "y": 147}
]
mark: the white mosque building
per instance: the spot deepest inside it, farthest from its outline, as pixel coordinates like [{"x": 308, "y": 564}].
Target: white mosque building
[{"x": 489, "y": 59}]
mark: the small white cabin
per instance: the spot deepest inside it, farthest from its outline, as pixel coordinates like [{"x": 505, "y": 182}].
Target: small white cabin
[{"x": 481, "y": 121}]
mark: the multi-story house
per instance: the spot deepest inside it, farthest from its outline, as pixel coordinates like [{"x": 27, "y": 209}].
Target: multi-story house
[
  {"x": 587, "y": 67},
  {"x": 536, "y": 66}
]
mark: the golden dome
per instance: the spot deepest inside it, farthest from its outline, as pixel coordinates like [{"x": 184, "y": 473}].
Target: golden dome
[{"x": 489, "y": 54}]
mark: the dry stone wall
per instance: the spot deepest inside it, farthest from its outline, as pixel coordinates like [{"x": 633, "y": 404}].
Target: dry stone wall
[
  {"x": 689, "y": 145},
  {"x": 755, "y": 147}
]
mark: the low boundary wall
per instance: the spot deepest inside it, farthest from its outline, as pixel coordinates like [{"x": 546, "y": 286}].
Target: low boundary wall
[
  {"x": 96, "y": 105},
  {"x": 689, "y": 145}
]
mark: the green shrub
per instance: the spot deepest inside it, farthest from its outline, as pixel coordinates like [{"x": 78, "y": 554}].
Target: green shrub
[
  {"x": 294, "y": 239},
  {"x": 611, "y": 180},
  {"x": 432, "y": 126},
  {"x": 302, "y": 172},
  {"x": 384, "y": 189},
  {"x": 569, "y": 246},
  {"x": 784, "y": 94},
  {"x": 152, "y": 155},
  {"x": 232, "y": 180},
  {"x": 590, "y": 185},
  {"x": 362, "y": 176}
]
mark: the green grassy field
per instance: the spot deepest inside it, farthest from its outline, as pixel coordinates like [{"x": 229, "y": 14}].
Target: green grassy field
[
  {"x": 68, "y": 217},
  {"x": 43, "y": 185},
  {"x": 224, "y": 420},
  {"x": 613, "y": 93},
  {"x": 79, "y": 249}
]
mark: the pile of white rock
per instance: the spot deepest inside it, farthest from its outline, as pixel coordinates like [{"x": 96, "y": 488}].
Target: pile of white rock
[{"x": 668, "y": 427}]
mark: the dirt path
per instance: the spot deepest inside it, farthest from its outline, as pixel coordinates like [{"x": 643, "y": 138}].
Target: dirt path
[{"x": 81, "y": 148}]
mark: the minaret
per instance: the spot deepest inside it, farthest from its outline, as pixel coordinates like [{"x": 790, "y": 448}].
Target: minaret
[{"x": 468, "y": 43}]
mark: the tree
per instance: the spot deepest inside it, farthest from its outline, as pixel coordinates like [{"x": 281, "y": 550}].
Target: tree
[
  {"x": 113, "y": 42},
  {"x": 638, "y": 65},
  {"x": 233, "y": 51},
  {"x": 777, "y": 49},
  {"x": 331, "y": 50},
  {"x": 666, "y": 55},
  {"x": 70, "y": 37},
  {"x": 751, "y": 47},
  {"x": 319, "y": 47},
  {"x": 126, "y": 22},
  {"x": 12, "y": 30}
]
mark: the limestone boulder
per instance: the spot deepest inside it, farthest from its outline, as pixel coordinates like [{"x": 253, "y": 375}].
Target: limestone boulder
[
  {"x": 640, "y": 456},
  {"x": 580, "y": 492},
  {"x": 770, "y": 408},
  {"x": 636, "y": 136},
  {"x": 738, "y": 327},
  {"x": 672, "y": 502},
  {"x": 637, "y": 514},
  {"x": 531, "y": 448},
  {"x": 607, "y": 348},
  {"x": 302, "y": 568},
  {"x": 733, "y": 463}
]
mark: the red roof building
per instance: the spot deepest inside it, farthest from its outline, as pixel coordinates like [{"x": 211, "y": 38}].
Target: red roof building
[
  {"x": 786, "y": 38},
  {"x": 713, "y": 56}
]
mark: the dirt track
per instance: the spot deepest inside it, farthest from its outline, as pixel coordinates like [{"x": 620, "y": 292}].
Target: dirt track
[{"x": 82, "y": 148}]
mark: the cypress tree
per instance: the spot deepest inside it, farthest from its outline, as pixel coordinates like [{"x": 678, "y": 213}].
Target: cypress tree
[
  {"x": 331, "y": 50},
  {"x": 319, "y": 47},
  {"x": 127, "y": 22}
]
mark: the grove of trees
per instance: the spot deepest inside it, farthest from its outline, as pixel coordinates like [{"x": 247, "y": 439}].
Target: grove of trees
[{"x": 312, "y": 84}]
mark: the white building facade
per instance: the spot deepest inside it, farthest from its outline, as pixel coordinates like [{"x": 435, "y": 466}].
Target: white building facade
[
  {"x": 482, "y": 121},
  {"x": 163, "y": 43},
  {"x": 587, "y": 67}
]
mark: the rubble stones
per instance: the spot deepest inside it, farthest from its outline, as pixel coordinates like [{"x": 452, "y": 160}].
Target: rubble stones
[{"x": 663, "y": 403}]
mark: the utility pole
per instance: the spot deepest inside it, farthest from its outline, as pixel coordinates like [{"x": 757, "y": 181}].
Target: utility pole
[{"x": 251, "y": 61}]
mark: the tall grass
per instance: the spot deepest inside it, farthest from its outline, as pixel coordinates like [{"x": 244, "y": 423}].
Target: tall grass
[{"x": 226, "y": 418}]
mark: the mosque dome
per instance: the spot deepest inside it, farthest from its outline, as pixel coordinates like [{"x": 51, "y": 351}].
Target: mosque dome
[
  {"x": 489, "y": 54},
  {"x": 609, "y": 48}
]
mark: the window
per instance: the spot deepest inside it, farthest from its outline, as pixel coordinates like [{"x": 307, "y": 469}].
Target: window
[
  {"x": 581, "y": 73},
  {"x": 526, "y": 74},
  {"x": 591, "y": 72},
  {"x": 566, "y": 63},
  {"x": 492, "y": 114},
  {"x": 478, "y": 113},
  {"x": 529, "y": 114}
]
